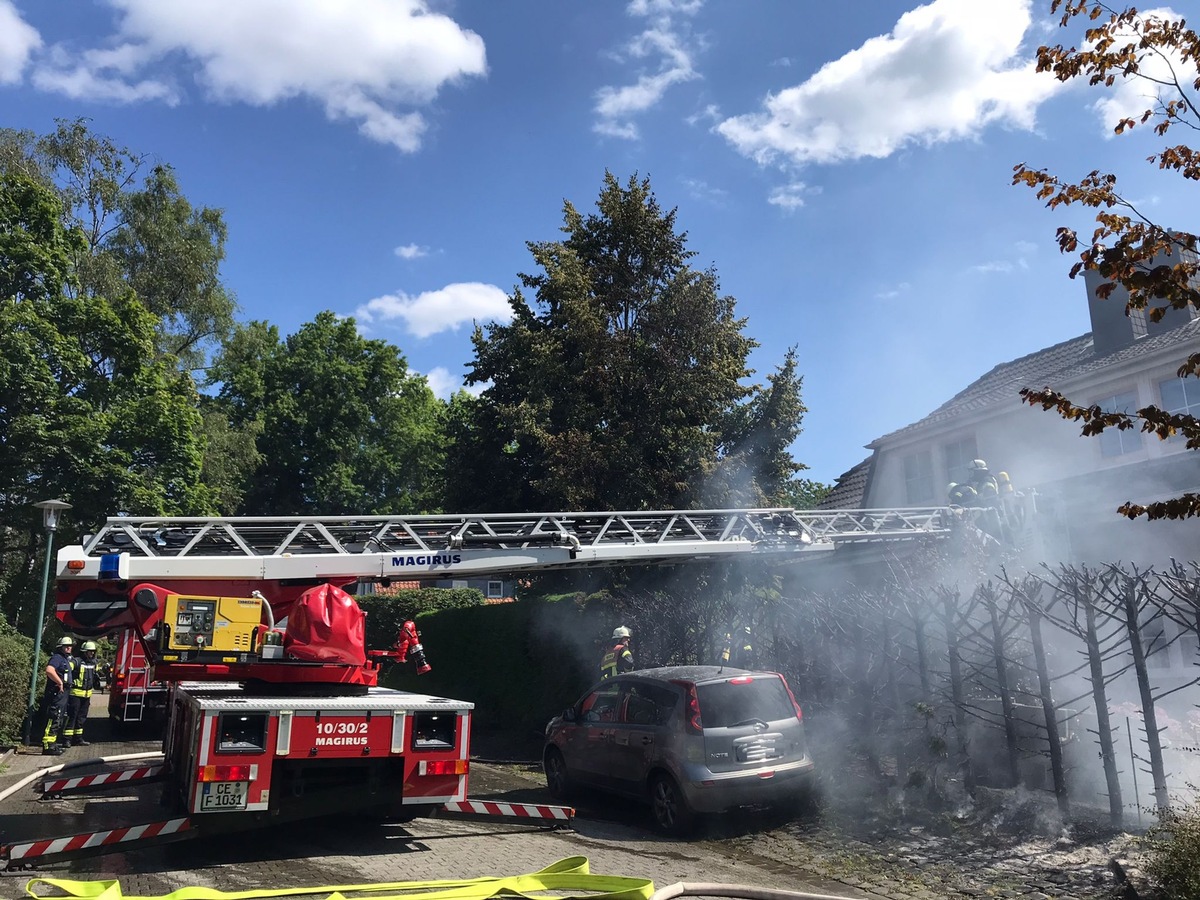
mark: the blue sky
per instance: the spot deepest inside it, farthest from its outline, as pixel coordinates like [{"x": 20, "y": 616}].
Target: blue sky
[{"x": 846, "y": 173}]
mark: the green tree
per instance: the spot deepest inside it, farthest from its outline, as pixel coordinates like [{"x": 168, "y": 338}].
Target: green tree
[
  {"x": 804, "y": 493},
  {"x": 1157, "y": 265},
  {"x": 612, "y": 388},
  {"x": 88, "y": 410},
  {"x": 756, "y": 465},
  {"x": 342, "y": 427},
  {"x": 141, "y": 233}
]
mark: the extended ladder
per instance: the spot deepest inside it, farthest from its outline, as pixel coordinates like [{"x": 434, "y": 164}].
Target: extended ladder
[{"x": 441, "y": 546}]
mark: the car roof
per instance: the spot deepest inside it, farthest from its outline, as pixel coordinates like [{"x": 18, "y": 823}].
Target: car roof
[{"x": 693, "y": 674}]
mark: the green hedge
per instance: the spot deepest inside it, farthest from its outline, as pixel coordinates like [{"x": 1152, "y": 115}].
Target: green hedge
[
  {"x": 387, "y": 612},
  {"x": 15, "y": 668},
  {"x": 519, "y": 663}
]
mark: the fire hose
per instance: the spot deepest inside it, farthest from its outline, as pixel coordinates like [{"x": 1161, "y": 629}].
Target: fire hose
[
  {"x": 49, "y": 770},
  {"x": 571, "y": 874}
]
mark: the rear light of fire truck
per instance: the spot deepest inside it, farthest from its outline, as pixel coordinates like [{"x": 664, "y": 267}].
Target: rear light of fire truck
[
  {"x": 442, "y": 767},
  {"x": 223, "y": 773}
]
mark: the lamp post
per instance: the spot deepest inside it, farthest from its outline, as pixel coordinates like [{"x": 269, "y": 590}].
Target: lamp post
[{"x": 52, "y": 511}]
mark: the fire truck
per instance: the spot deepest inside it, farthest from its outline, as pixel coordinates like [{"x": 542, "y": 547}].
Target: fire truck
[
  {"x": 134, "y": 696},
  {"x": 275, "y": 712}
]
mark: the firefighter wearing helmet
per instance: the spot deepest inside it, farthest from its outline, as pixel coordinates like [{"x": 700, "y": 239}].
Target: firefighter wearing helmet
[
  {"x": 54, "y": 700},
  {"x": 618, "y": 658},
  {"x": 83, "y": 684}
]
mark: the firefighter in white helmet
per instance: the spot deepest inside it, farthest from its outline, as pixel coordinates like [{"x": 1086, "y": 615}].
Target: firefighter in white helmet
[{"x": 618, "y": 658}]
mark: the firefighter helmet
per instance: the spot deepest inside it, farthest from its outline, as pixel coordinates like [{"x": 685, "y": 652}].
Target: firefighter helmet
[
  {"x": 65, "y": 641},
  {"x": 622, "y": 632},
  {"x": 87, "y": 645},
  {"x": 978, "y": 465}
]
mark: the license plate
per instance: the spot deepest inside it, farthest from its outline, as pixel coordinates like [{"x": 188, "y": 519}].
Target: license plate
[{"x": 224, "y": 796}]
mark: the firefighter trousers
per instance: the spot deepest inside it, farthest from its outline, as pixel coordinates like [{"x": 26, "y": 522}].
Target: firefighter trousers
[
  {"x": 56, "y": 720},
  {"x": 77, "y": 713}
]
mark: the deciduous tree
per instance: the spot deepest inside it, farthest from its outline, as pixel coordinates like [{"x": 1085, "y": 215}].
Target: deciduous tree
[
  {"x": 342, "y": 426},
  {"x": 1155, "y": 263}
]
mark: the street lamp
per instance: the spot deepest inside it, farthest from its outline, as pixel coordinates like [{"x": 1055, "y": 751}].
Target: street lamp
[{"x": 52, "y": 511}]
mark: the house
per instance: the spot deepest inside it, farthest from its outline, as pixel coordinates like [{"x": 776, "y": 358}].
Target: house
[{"x": 1124, "y": 363}]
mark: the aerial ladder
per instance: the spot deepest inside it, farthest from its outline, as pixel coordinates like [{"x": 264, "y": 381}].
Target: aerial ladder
[{"x": 275, "y": 711}]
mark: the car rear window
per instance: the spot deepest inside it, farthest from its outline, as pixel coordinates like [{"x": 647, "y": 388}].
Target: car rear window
[{"x": 725, "y": 703}]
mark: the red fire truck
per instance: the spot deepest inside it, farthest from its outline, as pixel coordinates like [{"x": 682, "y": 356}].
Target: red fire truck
[
  {"x": 274, "y": 707},
  {"x": 134, "y": 696}
]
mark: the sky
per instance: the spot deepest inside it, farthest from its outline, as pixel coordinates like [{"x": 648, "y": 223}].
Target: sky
[{"x": 845, "y": 168}]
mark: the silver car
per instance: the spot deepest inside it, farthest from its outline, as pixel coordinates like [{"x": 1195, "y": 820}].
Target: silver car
[{"x": 687, "y": 739}]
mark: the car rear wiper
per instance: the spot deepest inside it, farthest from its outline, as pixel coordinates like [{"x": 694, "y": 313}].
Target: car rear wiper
[{"x": 754, "y": 722}]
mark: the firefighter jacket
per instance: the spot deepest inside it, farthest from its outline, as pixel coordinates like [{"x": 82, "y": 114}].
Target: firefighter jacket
[
  {"x": 62, "y": 665},
  {"x": 618, "y": 659},
  {"x": 83, "y": 677}
]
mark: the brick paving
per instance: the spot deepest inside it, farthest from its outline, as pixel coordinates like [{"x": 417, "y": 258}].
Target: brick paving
[{"x": 830, "y": 854}]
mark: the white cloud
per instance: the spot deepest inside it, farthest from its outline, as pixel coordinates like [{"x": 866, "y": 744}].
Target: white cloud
[
  {"x": 368, "y": 62},
  {"x": 893, "y": 292},
  {"x": 791, "y": 196},
  {"x": 993, "y": 266},
  {"x": 18, "y": 40},
  {"x": 433, "y": 312},
  {"x": 699, "y": 189},
  {"x": 411, "y": 251},
  {"x": 1130, "y": 96},
  {"x": 945, "y": 72},
  {"x": 664, "y": 42},
  {"x": 444, "y": 385}
]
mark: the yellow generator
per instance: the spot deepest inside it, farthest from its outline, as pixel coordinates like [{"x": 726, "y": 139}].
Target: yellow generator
[{"x": 210, "y": 629}]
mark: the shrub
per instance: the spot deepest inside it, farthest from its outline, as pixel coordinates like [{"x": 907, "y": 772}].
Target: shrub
[
  {"x": 1174, "y": 853},
  {"x": 387, "y": 612},
  {"x": 15, "y": 663}
]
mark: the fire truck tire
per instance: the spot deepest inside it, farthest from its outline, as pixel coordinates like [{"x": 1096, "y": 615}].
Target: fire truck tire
[{"x": 558, "y": 780}]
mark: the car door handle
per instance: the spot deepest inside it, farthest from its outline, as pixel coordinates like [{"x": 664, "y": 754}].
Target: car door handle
[{"x": 647, "y": 739}]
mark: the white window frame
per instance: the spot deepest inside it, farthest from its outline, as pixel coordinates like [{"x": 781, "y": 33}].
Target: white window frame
[
  {"x": 1114, "y": 442},
  {"x": 918, "y": 459}
]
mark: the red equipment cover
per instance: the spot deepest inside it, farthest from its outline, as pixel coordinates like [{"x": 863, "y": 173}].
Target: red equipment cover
[{"x": 326, "y": 625}]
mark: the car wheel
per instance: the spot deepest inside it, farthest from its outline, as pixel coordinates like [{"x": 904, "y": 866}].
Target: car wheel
[
  {"x": 557, "y": 780},
  {"x": 672, "y": 814}
]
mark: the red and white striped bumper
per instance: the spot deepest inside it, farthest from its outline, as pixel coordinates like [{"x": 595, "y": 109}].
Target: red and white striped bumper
[
  {"x": 15, "y": 854},
  {"x": 106, "y": 779},
  {"x": 556, "y": 814}
]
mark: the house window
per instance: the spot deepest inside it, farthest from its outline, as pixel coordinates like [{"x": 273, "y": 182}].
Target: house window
[
  {"x": 918, "y": 478},
  {"x": 958, "y": 455},
  {"x": 495, "y": 590},
  {"x": 1180, "y": 396},
  {"x": 1113, "y": 441}
]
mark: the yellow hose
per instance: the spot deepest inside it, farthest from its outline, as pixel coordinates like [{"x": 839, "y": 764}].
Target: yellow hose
[{"x": 570, "y": 874}]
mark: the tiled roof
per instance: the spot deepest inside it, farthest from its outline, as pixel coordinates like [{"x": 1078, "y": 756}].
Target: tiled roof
[
  {"x": 397, "y": 586},
  {"x": 1051, "y": 366},
  {"x": 850, "y": 489}
]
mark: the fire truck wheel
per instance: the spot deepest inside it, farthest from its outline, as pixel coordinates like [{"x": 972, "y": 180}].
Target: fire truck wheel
[{"x": 558, "y": 782}]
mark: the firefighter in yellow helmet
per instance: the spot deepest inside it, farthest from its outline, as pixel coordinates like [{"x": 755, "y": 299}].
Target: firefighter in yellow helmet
[
  {"x": 54, "y": 701},
  {"x": 83, "y": 685},
  {"x": 618, "y": 658}
]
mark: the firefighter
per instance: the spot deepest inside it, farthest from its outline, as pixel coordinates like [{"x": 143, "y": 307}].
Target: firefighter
[
  {"x": 58, "y": 686},
  {"x": 984, "y": 483},
  {"x": 739, "y": 652},
  {"x": 84, "y": 678},
  {"x": 962, "y": 495},
  {"x": 619, "y": 658}
]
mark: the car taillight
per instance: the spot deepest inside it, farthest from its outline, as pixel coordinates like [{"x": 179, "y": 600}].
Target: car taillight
[
  {"x": 691, "y": 713},
  {"x": 792, "y": 697}
]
